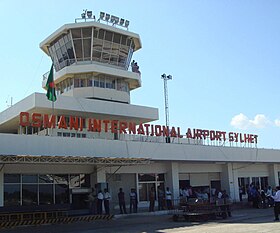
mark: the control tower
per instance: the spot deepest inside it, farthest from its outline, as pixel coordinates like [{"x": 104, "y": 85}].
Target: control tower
[
  {"x": 92, "y": 58},
  {"x": 94, "y": 75}
]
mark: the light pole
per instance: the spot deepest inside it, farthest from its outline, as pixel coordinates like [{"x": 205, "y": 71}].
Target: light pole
[{"x": 165, "y": 79}]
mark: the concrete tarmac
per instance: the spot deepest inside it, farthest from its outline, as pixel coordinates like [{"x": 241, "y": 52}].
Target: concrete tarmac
[{"x": 242, "y": 220}]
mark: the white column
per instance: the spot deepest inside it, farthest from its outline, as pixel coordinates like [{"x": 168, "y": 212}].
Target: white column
[
  {"x": 273, "y": 175},
  {"x": 173, "y": 179},
  {"x": 229, "y": 181},
  {"x": 100, "y": 175}
]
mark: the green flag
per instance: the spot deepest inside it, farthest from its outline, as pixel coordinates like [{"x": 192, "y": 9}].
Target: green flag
[{"x": 50, "y": 86}]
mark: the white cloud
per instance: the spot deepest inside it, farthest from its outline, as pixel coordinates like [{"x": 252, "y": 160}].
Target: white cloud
[
  {"x": 277, "y": 122},
  {"x": 241, "y": 121}
]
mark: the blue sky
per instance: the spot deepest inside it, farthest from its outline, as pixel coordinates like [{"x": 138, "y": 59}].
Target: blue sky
[{"x": 223, "y": 56}]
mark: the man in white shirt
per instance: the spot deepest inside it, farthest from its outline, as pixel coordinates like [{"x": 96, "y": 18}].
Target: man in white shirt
[
  {"x": 168, "y": 198},
  {"x": 107, "y": 197},
  {"x": 100, "y": 198},
  {"x": 276, "y": 198}
]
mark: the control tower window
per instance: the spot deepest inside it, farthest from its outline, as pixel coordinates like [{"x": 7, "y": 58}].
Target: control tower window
[{"x": 61, "y": 52}]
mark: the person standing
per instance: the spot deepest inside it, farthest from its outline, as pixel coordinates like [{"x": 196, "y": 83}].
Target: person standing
[
  {"x": 240, "y": 193},
  {"x": 107, "y": 198},
  {"x": 152, "y": 198},
  {"x": 276, "y": 198},
  {"x": 121, "y": 201},
  {"x": 92, "y": 204},
  {"x": 100, "y": 198},
  {"x": 133, "y": 201},
  {"x": 226, "y": 205},
  {"x": 160, "y": 199},
  {"x": 168, "y": 198}
]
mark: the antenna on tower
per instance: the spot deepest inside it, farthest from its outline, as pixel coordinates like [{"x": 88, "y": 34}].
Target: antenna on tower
[{"x": 165, "y": 79}]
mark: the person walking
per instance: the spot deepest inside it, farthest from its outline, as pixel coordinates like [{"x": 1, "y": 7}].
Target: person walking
[
  {"x": 122, "y": 201},
  {"x": 276, "y": 198},
  {"x": 152, "y": 198},
  {"x": 107, "y": 197}
]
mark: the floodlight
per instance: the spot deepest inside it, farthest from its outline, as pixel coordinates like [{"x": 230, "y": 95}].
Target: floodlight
[
  {"x": 163, "y": 76},
  {"x": 126, "y": 23},
  {"x": 121, "y": 22},
  {"x": 83, "y": 15},
  {"x": 107, "y": 17},
  {"x": 102, "y": 14},
  {"x": 169, "y": 76},
  {"x": 116, "y": 20},
  {"x": 112, "y": 19},
  {"x": 89, "y": 14}
]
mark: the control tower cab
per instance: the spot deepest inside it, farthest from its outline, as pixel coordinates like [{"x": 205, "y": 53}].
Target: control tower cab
[{"x": 92, "y": 58}]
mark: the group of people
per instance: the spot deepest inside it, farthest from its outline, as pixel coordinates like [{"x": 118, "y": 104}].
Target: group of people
[
  {"x": 268, "y": 196},
  {"x": 96, "y": 202},
  {"x": 135, "y": 67},
  {"x": 258, "y": 196},
  {"x": 164, "y": 199}
]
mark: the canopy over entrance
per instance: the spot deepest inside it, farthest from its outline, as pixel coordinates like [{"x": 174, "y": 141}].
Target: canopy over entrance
[{"x": 42, "y": 159}]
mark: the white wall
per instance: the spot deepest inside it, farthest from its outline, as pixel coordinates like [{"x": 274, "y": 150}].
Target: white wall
[{"x": 47, "y": 145}]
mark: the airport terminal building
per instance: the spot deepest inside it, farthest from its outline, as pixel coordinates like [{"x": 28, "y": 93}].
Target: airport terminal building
[{"x": 92, "y": 136}]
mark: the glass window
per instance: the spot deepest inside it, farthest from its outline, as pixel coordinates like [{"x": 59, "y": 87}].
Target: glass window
[
  {"x": 61, "y": 194},
  {"x": 128, "y": 42},
  {"x": 123, "y": 40},
  {"x": 46, "y": 194},
  {"x": 117, "y": 38},
  {"x": 108, "y": 36},
  {"x": 102, "y": 82},
  {"x": 11, "y": 194},
  {"x": 75, "y": 180},
  {"x": 76, "y": 82},
  {"x": 86, "y": 32},
  {"x": 85, "y": 180},
  {"x": 89, "y": 82},
  {"x": 76, "y": 33},
  {"x": 97, "y": 44},
  {"x": 29, "y": 179},
  {"x": 78, "y": 49},
  {"x": 87, "y": 47},
  {"x": 11, "y": 178},
  {"x": 95, "y": 33},
  {"x": 30, "y": 194},
  {"x": 107, "y": 46},
  {"x": 101, "y": 34},
  {"x": 114, "y": 59},
  {"x": 96, "y": 55},
  {"x": 70, "y": 51},
  {"x": 82, "y": 82},
  {"x": 160, "y": 177},
  {"x": 61, "y": 42},
  {"x": 146, "y": 177},
  {"x": 61, "y": 179},
  {"x": 144, "y": 190},
  {"x": 115, "y": 48},
  {"x": 45, "y": 179},
  {"x": 96, "y": 82}
]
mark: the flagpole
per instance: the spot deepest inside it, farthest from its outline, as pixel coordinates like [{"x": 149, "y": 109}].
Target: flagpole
[{"x": 53, "y": 90}]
